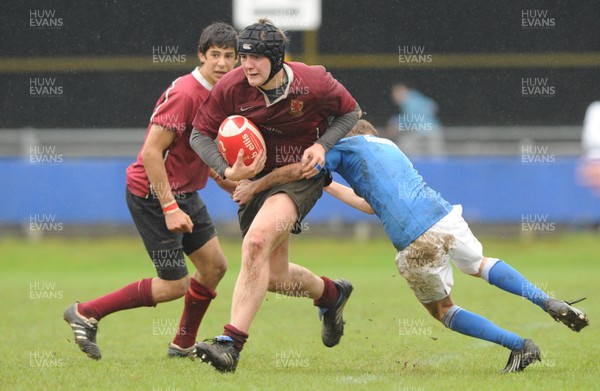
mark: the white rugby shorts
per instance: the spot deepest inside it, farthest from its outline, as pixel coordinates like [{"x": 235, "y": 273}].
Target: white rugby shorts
[{"x": 425, "y": 263}]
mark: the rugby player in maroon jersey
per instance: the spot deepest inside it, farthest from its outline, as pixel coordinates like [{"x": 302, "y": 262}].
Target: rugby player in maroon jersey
[
  {"x": 168, "y": 213},
  {"x": 302, "y": 111}
]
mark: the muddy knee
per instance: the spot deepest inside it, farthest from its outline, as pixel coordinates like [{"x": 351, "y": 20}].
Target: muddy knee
[
  {"x": 438, "y": 309},
  {"x": 425, "y": 264},
  {"x": 254, "y": 242}
]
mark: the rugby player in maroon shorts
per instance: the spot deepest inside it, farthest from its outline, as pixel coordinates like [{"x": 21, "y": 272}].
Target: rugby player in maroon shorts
[
  {"x": 168, "y": 213},
  {"x": 302, "y": 111}
]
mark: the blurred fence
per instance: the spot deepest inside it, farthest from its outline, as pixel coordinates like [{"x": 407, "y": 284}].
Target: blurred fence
[
  {"x": 458, "y": 140},
  {"x": 526, "y": 176}
]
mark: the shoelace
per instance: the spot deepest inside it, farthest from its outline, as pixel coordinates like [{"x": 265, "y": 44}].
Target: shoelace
[{"x": 575, "y": 301}]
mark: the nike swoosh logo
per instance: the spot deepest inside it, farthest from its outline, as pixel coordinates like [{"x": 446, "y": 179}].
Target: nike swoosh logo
[{"x": 245, "y": 108}]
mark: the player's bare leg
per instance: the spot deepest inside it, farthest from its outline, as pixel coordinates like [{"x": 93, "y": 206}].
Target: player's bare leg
[
  {"x": 165, "y": 290},
  {"x": 330, "y": 296},
  {"x": 266, "y": 233},
  {"x": 211, "y": 265},
  {"x": 438, "y": 309},
  {"x": 297, "y": 281},
  {"x": 264, "y": 260},
  {"x": 292, "y": 280}
]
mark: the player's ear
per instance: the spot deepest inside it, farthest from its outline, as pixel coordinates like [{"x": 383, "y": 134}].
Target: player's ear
[{"x": 201, "y": 57}]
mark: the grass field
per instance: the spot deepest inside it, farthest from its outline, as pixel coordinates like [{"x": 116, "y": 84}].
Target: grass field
[{"x": 391, "y": 343}]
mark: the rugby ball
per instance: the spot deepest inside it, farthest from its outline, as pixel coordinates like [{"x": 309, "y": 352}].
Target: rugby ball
[{"x": 237, "y": 132}]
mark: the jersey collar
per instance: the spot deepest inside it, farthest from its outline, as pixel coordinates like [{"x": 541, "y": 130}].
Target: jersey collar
[
  {"x": 198, "y": 76},
  {"x": 290, "y": 76}
]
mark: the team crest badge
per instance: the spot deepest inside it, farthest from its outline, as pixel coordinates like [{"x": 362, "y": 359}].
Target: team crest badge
[{"x": 296, "y": 107}]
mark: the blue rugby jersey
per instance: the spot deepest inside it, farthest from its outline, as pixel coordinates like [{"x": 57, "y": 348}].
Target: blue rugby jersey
[{"x": 380, "y": 172}]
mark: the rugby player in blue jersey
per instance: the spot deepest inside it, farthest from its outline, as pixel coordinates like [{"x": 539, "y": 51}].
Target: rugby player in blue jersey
[{"x": 428, "y": 232}]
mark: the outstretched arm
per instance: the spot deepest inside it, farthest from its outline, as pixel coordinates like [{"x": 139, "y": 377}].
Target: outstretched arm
[
  {"x": 348, "y": 196},
  {"x": 291, "y": 173},
  {"x": 315, "y": 154},
  {"x": 247, "y": 189}
]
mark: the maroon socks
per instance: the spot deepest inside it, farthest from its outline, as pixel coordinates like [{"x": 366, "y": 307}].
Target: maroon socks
[
  {"x": 136, "y": 294},
  {"x": 197, "y": 300},
  {"x": 330, "y": 294},
  {"x": 238, "y": 336}
]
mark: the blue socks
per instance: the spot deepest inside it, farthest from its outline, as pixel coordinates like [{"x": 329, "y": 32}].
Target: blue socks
[
  {"x": 473, "y": 325},
  {"x": 503, "y": 276},
  {"x": 506, "y": 278}
]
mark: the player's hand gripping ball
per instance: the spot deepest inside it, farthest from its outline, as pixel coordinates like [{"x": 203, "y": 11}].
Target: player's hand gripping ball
[{"x": 237, "y": 132}]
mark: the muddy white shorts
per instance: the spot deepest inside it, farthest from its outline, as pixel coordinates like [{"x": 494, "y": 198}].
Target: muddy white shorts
[{"x": 425, "y": 263}]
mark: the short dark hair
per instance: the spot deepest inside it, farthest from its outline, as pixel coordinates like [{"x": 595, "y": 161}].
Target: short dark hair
[{"x": 218, "y": 34}]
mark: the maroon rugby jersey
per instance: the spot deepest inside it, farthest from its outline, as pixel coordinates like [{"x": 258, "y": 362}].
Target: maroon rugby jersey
[
  {"x": 290, "y": 124},
  {"x": 175, "y": 110}
]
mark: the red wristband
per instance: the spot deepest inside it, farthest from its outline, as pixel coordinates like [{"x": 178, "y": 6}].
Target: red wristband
[{"x": 170, "y": 207}]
